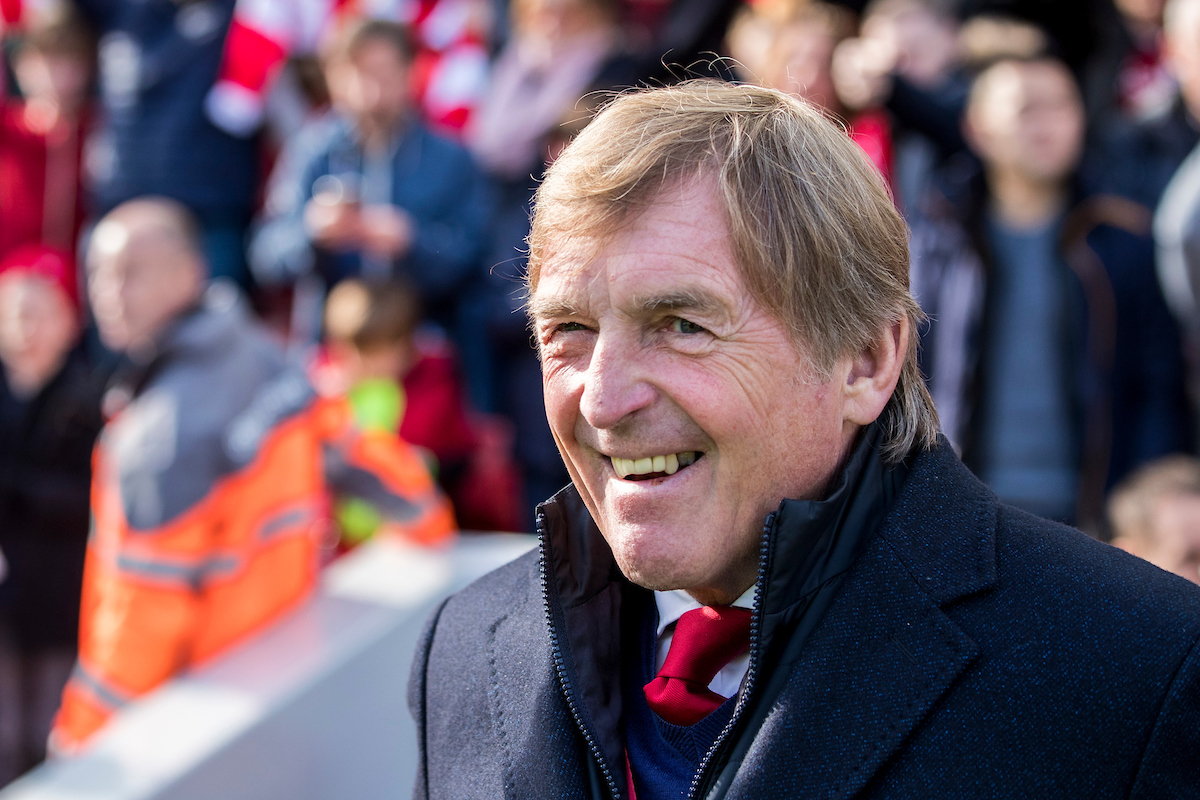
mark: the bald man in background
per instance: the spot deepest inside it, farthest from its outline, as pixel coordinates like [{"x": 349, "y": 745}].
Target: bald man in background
[{"x": 213, "y": 474}]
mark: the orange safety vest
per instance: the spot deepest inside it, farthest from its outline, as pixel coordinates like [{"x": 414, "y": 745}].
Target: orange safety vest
[{"x": 158, "y": 601}]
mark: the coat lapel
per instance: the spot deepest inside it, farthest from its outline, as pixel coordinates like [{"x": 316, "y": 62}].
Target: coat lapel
[{"x": 885, "y": 652}]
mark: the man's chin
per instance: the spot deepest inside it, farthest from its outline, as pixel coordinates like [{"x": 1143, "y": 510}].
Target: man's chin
[{"x": 658, "y": 570}]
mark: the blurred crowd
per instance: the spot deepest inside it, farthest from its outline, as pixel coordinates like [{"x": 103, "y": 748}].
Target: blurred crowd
[{"x": 261, "y": 295}]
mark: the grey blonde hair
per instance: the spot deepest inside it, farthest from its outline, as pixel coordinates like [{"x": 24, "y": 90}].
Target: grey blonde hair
[{"x": 816, "y": 235}]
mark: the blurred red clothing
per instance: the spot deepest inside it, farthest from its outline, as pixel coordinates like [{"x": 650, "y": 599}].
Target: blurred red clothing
[
  {"x": 435, "y": 415},
  {"x": 872, "y": 131},
  {"x": 486, "y": 484},
  {"x": 41, "y": 192}
]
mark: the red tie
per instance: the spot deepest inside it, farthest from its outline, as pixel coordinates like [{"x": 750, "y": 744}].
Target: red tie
[{"x": 705, "y": 640}]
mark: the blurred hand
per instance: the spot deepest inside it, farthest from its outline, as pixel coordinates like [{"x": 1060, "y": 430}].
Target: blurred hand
[
  {"x": 387, "y": 231},
  {"x": 862, "y": 73},
  {"x": 336, "y": 226}
]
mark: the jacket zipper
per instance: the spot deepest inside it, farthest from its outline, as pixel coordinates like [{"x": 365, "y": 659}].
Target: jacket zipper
[
  {"x": 560, "y": 664},
  {"x": 703, "y": 778}
]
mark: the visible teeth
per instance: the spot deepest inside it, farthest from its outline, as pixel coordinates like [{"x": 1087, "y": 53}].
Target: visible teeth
[{"x": 670, "y": 464}]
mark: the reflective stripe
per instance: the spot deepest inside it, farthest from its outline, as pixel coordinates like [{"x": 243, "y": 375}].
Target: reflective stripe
[
  {"x": 162, "y": 570},
  {"x": 182, "y": 575},
  {"x": 285, "y": 520},
  {"x": 95, "y": 686}
]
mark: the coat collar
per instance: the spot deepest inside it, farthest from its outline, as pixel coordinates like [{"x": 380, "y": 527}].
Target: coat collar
[{"x": 885, "y": 652}]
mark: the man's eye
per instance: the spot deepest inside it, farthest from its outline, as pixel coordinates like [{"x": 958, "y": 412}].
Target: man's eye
[
  {"x": 679, "y": 325},
  {"x": 569, "y": 327}
]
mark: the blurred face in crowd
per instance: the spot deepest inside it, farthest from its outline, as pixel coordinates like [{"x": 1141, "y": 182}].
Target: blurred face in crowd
[
  {"x": 59, "y": 79},
  {"x": 1172, "y": 538},
  {"x": 684, "y": 410},
  {"x": 38, "y": 327},
  {"x": 1183, "y": 51},
  {"x": 1027, "y": 119},
  {"x": 800, "y": 63},
  {"x": 141, "y": 276},
  {"x": 373, "y": 85},
  {"x": 548, "y": 21},
  {"x": 926, "y": 45},
  {"x": 1148, "y": 12}
]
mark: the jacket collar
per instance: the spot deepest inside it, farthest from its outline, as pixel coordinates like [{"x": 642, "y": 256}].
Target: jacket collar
[
  {"x": 808, "y": 544},
  {"x": 885, "y": 652}
]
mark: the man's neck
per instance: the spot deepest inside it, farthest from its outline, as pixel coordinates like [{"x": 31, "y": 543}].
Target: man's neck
[{"x": 1023, "y": 203}]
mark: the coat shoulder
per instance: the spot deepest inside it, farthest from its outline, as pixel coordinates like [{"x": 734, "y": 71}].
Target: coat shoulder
[
  {"x": 1058, "y": 566},
  {"x": 508, "y": 590}
]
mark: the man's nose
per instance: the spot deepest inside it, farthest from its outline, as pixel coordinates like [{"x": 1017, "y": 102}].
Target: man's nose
[{"x": 615, "y": 384}]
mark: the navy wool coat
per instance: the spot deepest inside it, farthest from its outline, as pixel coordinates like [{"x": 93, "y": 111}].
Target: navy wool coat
[{"x": 971, "y": 651}]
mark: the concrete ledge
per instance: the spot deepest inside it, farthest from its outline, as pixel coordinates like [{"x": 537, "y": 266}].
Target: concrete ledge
[{"x": 312, "y": 709}]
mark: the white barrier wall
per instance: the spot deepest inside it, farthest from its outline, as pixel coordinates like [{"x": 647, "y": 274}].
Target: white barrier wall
[{"x": 313, "y": 709}]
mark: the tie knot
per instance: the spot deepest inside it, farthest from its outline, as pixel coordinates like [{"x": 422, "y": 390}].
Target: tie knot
[{"x": 705, "y": 640}]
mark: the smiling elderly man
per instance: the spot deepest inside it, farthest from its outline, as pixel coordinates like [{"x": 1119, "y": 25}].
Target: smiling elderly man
[{"x": 771, "y": 577}]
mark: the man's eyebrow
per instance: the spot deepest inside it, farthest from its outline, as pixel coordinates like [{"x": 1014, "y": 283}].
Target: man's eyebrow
[
  {"x": 682, "y": 300},
  {"x": 551, "y": 308}
]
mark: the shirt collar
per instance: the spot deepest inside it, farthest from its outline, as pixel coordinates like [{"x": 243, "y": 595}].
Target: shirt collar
[{"x": 674, "y": 604}]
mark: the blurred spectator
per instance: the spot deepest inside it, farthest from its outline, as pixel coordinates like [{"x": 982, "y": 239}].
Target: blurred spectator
[
  {"x": 1053, "y": 362},
  {"x": 558, "y": 52},
  {"x": 1177, "y": 221},
  {"x": 906, "y": 60},
  {"x": 560, "y": 57},
  {"x": 42, "y": 135},
  {"x": 49, "y": 419},
  {"x": 211, "y": 492},
  {"x": 1138, "y": 157},
  {"x": 375, "y": 193},
  {"x": 1067, "y": 27},
  {"x": 399, "y": 380},
  {"x": 798, "y": 39},
  {"x": 986, "y": 39},
  {"x": 1126, "y": 74},
  {"x": 158, "y": 59},
  {"x": 450, "y": 41},
  {"x": 1155, "y": 514}
]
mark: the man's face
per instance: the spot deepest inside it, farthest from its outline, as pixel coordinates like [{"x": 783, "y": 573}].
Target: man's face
[
  {"x": 655, "y": 354},
  {"x": 135, "y": 286},
  {"x": 373, "y": 85},
  {"x": 1030, "y": 120}
]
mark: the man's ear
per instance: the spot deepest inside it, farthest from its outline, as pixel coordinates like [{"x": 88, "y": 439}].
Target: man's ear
[{"x": 874, "y": 373}]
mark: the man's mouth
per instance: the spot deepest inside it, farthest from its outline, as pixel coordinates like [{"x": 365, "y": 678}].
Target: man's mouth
[{"x": 650, "y": 467}]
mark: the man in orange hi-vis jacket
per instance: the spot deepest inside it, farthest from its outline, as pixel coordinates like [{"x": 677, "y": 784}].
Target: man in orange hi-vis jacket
[{"x": 212, "y": 485}]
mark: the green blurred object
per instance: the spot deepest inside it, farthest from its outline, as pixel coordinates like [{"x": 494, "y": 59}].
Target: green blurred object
[
  {"x": 378, "y": 404},
  {"x": 358, "y": 519}
]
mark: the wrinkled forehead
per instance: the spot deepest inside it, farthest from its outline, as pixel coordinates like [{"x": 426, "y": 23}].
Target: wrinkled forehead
[
  {"x": 674, "y": 254},
  {"x": 578, "y": 233}
]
